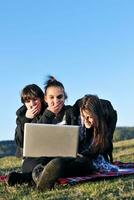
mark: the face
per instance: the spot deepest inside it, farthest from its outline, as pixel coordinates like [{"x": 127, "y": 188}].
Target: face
[
  {"x": 54, "y": 96},
  {"x": 87, "y": 118},
  {"x": 31, "y": 103}
]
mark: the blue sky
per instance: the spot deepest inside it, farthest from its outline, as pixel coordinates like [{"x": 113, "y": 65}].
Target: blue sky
[{"x": 86, "y": 44}]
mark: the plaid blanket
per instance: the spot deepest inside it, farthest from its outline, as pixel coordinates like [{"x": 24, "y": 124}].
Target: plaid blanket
[{"x": 125, "y": 169}]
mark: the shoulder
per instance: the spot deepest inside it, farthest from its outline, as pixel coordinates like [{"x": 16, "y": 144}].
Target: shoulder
[
  {"x": 77, "y": 103},
  {"x": 68, "y": 108},
  {"x": 21, "y": 110},
  {"x": 108, "y": 109},
  {"x": 76, "y": 107},
  {"x": 106, "y": 104}
]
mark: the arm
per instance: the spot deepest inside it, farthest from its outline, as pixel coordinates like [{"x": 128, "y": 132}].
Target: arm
[
  {"x": 71, "y": 118},
  {"x": 47, "y": 117},
  {"x": 85, "y": 143},
  {"x": 20, "y": 122},
  {"x": 110, "y": 116},
  {"x": 89, "y": 153},
  {"x": 76, "y": 111},
  {"x": 19, "y": 131}
]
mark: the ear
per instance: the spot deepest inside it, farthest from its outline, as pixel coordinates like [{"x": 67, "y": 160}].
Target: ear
[{"x": 45, "y": 98}]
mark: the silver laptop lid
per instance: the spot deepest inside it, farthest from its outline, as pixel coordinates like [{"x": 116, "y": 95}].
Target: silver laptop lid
[{"x": 50, "y": 140}]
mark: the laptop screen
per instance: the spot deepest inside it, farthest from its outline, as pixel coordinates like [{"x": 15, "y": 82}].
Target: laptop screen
[{"x": 50, "y": 140}]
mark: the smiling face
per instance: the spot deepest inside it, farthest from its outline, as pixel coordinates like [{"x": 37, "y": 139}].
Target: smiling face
[{"x": 87, "y": 118}]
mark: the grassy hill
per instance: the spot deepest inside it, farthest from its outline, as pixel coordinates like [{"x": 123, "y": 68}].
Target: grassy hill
[{"x": 115, "y": 189}]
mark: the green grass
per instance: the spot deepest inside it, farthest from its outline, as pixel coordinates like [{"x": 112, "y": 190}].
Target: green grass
[{"x": 115, "y": 189}]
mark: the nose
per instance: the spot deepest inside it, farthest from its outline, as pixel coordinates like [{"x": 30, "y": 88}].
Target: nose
[
  {"x": 87, "y": 118},
  {"x": 32, "y": 103},
  {"x": 56, "y": 100}
]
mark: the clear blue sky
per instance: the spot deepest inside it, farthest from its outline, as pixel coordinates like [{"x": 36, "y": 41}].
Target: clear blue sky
[{"x": 86, "y": 44}]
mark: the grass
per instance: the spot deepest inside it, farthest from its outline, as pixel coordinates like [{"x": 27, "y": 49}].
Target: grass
[{"x": 115, "y": 189}]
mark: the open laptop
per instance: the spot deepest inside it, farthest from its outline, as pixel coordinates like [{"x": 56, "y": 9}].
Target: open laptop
[{"x": 50, "y": 140}]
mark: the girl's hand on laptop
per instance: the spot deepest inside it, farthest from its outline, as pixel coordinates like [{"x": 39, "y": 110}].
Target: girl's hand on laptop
[{"x": 79, "y": 155}]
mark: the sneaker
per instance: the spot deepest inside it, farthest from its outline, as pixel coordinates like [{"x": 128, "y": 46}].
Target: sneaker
[
  {"x": 14, "y": 178},
  {"x": 37, "y": 172},
  {"x": 45, "y": 177},
  {"x": 103, "y": 166}
]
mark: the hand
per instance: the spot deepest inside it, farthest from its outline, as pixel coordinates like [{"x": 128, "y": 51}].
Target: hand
[
  {"x": 32, "y": 111},
  {"x": 79, "y": 155},
  {"x": 56, "y": 108}
]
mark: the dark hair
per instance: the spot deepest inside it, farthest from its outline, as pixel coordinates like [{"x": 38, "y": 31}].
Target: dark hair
[
  {"x": 93, "y": 104},
  {"x": 52, "y": 82},
  {"x": 30, "y": 92}
]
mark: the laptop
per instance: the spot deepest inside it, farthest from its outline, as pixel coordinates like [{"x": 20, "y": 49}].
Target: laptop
[{"x": 50, "y": 140}]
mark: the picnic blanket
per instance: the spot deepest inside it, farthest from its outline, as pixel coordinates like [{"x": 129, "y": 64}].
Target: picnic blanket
[{"x": 125, "y": 169}]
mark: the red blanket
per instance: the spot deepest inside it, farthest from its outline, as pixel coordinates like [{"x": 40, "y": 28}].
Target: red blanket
[{"x": 125, "y": 169}]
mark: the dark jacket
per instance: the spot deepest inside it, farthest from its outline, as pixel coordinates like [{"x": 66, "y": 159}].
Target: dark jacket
[
  {"x": 20, "y": 121},
  {"x": 65, "y": 116},
  {"x": 86, "y": 147},
  {"x": 85, "y": 141}
]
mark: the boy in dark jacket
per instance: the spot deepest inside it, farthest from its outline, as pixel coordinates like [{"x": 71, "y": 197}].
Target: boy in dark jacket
[{"x": 33, "y": 107}]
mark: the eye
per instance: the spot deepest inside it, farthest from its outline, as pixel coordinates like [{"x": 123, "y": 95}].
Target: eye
[
  {"x": 27, "y": 101},
  {"x": 51, "y": 97},
  {"x": 60, "y": 96},
  {"x": 35, "y": 99},
  {"x": 86, "y": 118}
]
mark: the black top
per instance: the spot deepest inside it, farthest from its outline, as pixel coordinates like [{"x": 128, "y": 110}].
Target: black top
[
  {"x": 65, "y": 115},
  {"x": 20, "y": 121}
]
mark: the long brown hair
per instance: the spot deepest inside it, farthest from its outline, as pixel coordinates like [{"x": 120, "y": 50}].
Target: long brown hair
[{"x": 92, "y": 104}]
